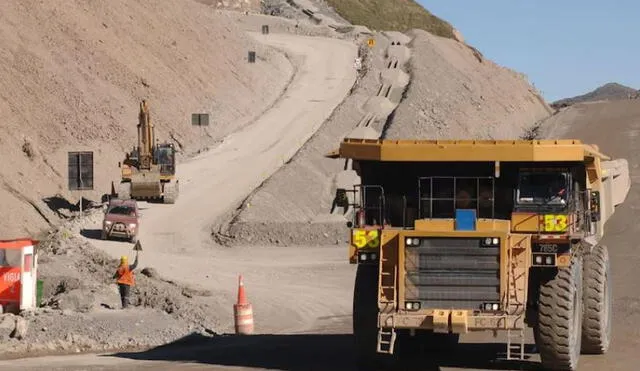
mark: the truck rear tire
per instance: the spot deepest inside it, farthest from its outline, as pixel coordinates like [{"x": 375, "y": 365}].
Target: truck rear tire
[
  {"x": 596, "y": 321},
  {"x": 559, "y": 325},
  {"x": 365, "y": 316},
  {"x": 124, "y": 191}
]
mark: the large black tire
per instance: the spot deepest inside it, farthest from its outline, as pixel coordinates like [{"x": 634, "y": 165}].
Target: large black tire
[
  {"x": 596, "y": 321},
  {"x": 559, "y": 324},
  {"x": 365, "y": 316}
]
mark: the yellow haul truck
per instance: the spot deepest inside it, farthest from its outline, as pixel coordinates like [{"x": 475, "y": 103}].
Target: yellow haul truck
[{"x": 458, "y": 236}]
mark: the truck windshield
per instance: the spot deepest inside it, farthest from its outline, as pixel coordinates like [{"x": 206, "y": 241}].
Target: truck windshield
[
  {"x": 165, "y": 156},
  {"x": 542, "y": 188},
  {"x": 122, "y": 210}
]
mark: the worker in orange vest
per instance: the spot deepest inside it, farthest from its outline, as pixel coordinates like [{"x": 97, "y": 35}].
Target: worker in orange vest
[{"x": 125, "y": 277}]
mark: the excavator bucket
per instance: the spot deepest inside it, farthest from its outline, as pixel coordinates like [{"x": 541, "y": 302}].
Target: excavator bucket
[{"x": 146, "y": 184}]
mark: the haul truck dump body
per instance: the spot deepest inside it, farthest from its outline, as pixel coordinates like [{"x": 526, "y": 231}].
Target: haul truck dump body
[{"x": 459, "y": 236}]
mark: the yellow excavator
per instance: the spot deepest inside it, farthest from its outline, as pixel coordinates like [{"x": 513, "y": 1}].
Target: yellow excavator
[{"x": 149, "y": 170}]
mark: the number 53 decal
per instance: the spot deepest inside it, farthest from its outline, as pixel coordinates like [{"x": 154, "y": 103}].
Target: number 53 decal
[
  {"x": 362, "y": 238},
  {"x": 555, "y": 223}
]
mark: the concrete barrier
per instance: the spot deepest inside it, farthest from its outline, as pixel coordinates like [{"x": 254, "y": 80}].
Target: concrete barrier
[
  {"x": 364, "y": 132},
  {"x": 380, "y": 106},
  {"x": 395, "y": 77},
  {"x": 399, "y": 53},
  {"x": 377, "y": 109},
  {"x": 397, "y": 37}
]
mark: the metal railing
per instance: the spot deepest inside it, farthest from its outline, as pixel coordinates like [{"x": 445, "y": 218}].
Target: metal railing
[
  {"x": 378, "y": 206},
  {"x": 457, "y": 185}
]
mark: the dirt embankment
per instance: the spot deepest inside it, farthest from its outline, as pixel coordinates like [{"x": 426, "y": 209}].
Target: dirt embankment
[
  {"x": 73, "y": 74},
  {"x": 413, "y": 85},
  {"x": 82, "y": 305},
  {"x": 456, "y": 93}
]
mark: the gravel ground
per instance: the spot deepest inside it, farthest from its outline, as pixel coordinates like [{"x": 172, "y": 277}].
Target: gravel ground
[{"x": 82, "y": 305}]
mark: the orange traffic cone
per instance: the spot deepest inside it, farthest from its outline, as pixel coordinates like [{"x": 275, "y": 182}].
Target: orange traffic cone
[{"x": 243, "y": 312}]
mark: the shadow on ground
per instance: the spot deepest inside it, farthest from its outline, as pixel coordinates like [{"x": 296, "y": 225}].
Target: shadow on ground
[
  {"x": 63, "y": 207},
  {"x": 93, "y": 234},
  {"x": 96, "y": 234},
  {"x": 316, "y": 352}
]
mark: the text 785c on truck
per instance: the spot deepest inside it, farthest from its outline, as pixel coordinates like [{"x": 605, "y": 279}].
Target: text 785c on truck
[{"x": 458, "y": 236}]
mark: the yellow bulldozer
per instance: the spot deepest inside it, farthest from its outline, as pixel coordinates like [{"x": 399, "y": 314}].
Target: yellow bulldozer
[
  {"x": 149, "y": 170},
  {"x": 451, "y": 237}
]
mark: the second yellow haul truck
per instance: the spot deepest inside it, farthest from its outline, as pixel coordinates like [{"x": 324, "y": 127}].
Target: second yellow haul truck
[{"x": 459, "y": 236}]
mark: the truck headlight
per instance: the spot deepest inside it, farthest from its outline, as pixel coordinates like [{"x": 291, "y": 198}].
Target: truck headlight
[
  {"x": 412, "y": 305},
  {"x": 367, "y": 256},
  {"x": 491, "y": 306},
  {"x": 132, "y": 225},
  {"x": 412, "y": 241},
  {"x": 544, "y": 259},
  {"x": 491, "y": 242}
]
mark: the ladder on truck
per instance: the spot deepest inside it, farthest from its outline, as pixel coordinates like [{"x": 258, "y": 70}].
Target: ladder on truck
[
  {"x": 515, "y": 344},
  {"x": 515, "y": 337},
  {"x": 387, "y": 298}
]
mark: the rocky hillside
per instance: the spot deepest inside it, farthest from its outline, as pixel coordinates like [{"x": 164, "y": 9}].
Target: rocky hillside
[
  {"x": 413, "y": 85},
  {"x": 457, "y": 93},
  {"x": 610, "y": 91},
  {"x": 73, "y": 74}
]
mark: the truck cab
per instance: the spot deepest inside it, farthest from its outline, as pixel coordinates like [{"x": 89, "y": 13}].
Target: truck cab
[{"x": 165, "y": 157}]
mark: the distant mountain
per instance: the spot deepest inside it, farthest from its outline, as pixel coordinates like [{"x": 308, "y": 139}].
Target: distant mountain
[{"x": 610, "y": 91}]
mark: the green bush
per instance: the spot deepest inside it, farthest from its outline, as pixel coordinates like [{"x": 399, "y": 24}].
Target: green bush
[{"x": 391, "y": 15}]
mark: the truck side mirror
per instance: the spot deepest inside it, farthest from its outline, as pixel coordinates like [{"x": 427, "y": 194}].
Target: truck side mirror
[
  {"x": 119, "y": 165},
  {"x": 595, "y": 206}
]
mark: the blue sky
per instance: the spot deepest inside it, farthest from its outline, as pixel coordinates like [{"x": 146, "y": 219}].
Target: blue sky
[{"x": 565, "y": 47}]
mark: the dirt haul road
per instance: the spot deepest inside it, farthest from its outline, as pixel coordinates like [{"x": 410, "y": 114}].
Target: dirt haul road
[{"x": 177, "y": 238}]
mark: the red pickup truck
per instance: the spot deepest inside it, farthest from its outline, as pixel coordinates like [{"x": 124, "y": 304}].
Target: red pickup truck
[{"x": 122, "y": 220}]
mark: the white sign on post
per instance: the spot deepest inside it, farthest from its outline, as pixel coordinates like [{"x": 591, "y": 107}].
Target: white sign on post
[{"x": 358, "y": 64}]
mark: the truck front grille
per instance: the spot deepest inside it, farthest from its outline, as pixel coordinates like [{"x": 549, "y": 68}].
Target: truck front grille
[{"x": 448, "y": 273}]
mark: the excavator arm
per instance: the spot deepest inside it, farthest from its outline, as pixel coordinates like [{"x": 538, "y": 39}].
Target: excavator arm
[{"x": 145, "y": 137}]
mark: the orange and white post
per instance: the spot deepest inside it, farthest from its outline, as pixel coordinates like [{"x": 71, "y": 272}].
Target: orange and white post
[{"x": 243, "y": 312}]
